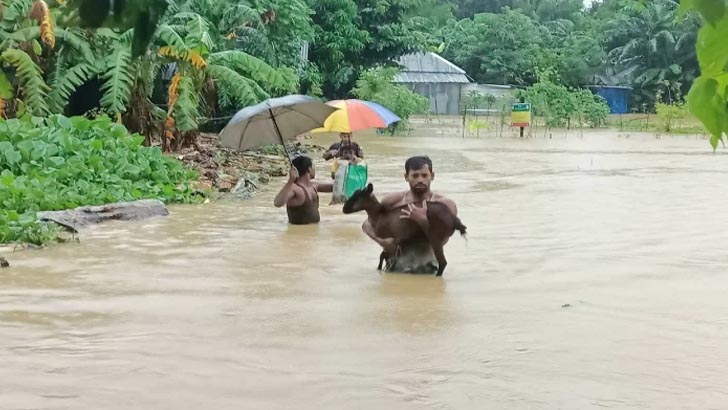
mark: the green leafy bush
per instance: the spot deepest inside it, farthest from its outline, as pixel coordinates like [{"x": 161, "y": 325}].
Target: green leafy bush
[
  {"x": 560, "y": 106},
  {"x": 60, "y": 163},
  {"x": 551, "y": 101},
  {"x": 668, "y": 115},
  {"x": 591, "y": 108}
]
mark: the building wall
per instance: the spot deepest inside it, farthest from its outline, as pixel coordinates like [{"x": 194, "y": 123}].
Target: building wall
[
  {"x": 444, "y": 97},
  {"x": 504, "y": 95},
  {"x": 499, "y": 91}
]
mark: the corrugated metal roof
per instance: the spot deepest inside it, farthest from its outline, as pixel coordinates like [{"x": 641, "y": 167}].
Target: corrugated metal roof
[
  {"x": 408, "y": 77},
  {"x": 429, "y": 68}
]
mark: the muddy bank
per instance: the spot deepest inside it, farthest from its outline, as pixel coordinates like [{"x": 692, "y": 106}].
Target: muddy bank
[{"x": 226, "y": 170}]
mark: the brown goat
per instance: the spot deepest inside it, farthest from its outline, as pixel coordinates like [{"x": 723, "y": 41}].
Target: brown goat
[{"x": 387, "y": 223}]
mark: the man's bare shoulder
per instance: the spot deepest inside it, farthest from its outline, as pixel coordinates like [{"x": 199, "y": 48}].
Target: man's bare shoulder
[{"x": 393, "y": 199}]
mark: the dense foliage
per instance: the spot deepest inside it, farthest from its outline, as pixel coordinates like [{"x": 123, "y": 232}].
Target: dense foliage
[
  {"x": 323, "y": 46},
  {"x": 497, "y": 48},
  {"x": 59, "y": 163},
  {"x": 647, "y": 45},
  {"x": 205, "y": 58},
  {"x": 560, "y": 106},
  {"x": 194, "y": 55}
]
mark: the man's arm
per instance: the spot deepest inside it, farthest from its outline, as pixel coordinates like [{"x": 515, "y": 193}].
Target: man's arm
[
  {"x": 324, "y": 186},
  {"x": 419, "y": 214},
  {"x": 287, "y": 194},
  {"x": 332, "y": 152},
  {"x": 388, "y": 244},
  {"x": 284, "y": 195}
]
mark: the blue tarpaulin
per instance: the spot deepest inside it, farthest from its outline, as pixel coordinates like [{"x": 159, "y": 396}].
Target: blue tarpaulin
[{"x": 617, "y": 97}]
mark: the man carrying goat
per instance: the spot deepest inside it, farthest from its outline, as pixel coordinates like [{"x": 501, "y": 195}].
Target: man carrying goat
[{"x": 416, "y": 256}]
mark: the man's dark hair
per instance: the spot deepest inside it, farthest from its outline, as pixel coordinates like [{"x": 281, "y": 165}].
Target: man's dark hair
[
  {"x": 417, "y": 163},
  {"x": 302, "y": 164}
]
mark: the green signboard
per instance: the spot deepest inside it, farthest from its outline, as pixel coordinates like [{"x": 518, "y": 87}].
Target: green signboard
[{"x": 521, "y": 107}]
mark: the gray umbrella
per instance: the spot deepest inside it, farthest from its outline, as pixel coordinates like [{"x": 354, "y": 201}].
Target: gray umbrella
[{"x": 274, "y": 121}]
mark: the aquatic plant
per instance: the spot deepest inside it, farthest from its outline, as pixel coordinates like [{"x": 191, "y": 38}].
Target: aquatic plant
[{"x": 60, "y": 163}]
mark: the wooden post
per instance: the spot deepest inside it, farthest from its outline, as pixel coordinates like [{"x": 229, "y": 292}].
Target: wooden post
[
  {"x": 465, "y": 113},
  {"x": 521, "y": 100}
]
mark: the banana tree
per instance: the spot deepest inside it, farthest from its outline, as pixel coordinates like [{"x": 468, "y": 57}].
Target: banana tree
[
  {"x": 203, "y": 78},
  {"x": 42, "y": 64}
]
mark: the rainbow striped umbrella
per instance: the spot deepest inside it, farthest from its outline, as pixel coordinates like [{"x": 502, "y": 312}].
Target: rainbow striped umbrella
[{"x": 355, "y": 115}]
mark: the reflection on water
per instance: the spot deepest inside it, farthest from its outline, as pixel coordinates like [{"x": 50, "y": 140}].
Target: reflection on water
[{"x": 225, "y": 306}]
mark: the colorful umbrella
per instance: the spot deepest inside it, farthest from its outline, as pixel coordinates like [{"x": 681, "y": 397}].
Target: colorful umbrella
[{"x": 355, "y": 115}]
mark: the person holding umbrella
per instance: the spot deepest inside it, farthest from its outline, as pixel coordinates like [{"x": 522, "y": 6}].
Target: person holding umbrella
[
  {"x": 275, "y": 121},
  {"x": 353, "y": 115},
  {"x": 300, "y": 193}
]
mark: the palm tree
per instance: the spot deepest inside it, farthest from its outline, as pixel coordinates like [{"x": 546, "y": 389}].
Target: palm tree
[{"x": 659, "y": 52}]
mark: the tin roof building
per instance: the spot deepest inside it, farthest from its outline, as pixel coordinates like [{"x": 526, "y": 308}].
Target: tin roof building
[{"x": 434, "y": 77}]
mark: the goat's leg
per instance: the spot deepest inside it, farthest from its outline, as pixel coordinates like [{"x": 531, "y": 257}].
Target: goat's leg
[
  {"x": 439, "y": 251},
  {"x": 382, "y": 257}
]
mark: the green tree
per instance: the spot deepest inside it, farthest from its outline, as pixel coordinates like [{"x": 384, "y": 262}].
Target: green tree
[
  {"x": 469, "y": 8},
  {"x": 354, "y": 35},
  {"x": 549, "y": 10},
  {"x": 497, "y": 48},
  {"x": 338, "y": 36},
  {"x": 573, "y": 51},
  {"x": 275, "y": 32},
  {"x": 657, "y": 46}
]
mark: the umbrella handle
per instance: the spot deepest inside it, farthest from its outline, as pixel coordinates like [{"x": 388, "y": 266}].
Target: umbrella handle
[{"x": 280, "y": 137}]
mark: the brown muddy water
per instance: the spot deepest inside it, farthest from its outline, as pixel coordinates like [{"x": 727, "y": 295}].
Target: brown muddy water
[{"x": 595, "y": 276}]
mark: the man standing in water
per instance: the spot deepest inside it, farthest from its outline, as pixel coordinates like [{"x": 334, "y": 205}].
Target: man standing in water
[
  {"x": 413, "y": 205},
  {"x": 336, "y": 149},
  {"x": 300, "y": 193}
]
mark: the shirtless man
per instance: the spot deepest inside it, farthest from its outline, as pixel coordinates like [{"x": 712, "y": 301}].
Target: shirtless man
[
  {"x": 413, "y": 203},
  {"x": 300, "y": 193}
]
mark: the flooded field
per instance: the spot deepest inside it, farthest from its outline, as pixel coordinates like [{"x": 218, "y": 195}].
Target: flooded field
[{"x": 594, "y": 276}]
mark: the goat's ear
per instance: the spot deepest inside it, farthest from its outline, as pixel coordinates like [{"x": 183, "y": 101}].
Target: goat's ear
[{"x": 370, "y": 188}]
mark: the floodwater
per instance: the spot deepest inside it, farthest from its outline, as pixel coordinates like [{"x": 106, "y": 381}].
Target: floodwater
[{"x": 594, "y": 276}]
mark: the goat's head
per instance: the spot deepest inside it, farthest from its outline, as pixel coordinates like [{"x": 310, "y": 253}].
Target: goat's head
[{"x": 360, "y": 200}]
